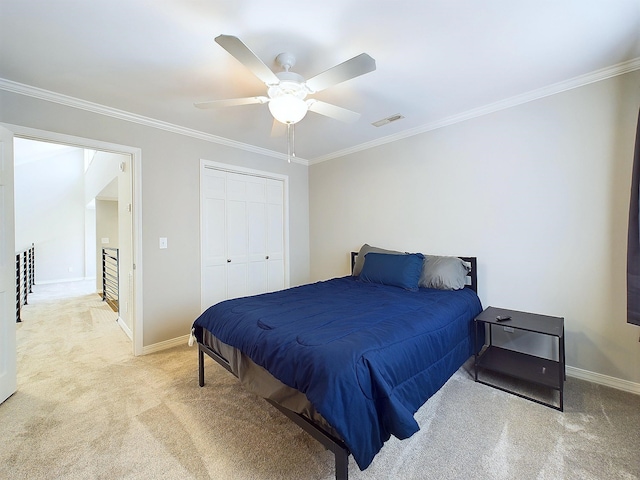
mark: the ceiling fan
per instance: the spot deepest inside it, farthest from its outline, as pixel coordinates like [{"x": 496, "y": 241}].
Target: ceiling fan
[{"x": 287, "y": 91}]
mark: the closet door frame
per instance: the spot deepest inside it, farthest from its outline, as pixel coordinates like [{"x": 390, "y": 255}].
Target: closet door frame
[{"x": 208, "y": 164}]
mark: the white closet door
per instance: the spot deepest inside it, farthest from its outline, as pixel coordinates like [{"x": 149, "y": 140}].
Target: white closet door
[
  {"x": 237, "y": 236},
  {"x": 213, "y": 236},
  {"x": 275, "y": 235},
  {"x": 243, "y": 235},
  {"x": 256, "y": 227}
]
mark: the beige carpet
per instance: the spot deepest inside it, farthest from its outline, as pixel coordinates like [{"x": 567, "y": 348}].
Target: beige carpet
[{"x": 86, "y": 408}]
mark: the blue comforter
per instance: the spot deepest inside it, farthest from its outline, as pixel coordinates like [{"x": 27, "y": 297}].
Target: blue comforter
[{"x": 367, "y": 356}]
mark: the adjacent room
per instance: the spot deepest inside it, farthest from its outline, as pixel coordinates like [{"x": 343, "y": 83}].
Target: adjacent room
[
  {"x": 356, "y": 167},
  {"x": 73, "y": 203}
]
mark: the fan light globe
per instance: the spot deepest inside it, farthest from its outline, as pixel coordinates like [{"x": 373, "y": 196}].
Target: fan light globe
[{"x": 288, "y": 109}]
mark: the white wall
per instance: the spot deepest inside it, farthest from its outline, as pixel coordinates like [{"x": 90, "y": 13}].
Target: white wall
[
  {"x": 538, "y": 192},
  {"x": 104, "y": 167},
  {"x": 90, "y": 264},
  {"x": 106, "y": 229},
  {"x": 50, "y": 212},
  {"x": 170, "y": 203}
]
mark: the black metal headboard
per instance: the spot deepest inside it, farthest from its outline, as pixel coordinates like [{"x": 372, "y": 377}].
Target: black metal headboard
[
  {"x": 473, "y": 275},
  {"x": 353, "y": 260}
]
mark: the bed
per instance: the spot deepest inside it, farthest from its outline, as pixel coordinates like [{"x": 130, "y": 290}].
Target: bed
[{"x": 351, "y": 359}]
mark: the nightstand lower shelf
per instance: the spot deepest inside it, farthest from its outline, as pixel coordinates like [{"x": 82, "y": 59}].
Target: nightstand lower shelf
[
  {"x": 507, "y": 369},
  {"x": 521, "y": 366}
]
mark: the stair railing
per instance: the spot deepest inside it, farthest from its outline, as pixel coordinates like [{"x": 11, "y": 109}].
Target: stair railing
[
  {"x": 110, "y": 277},
  {"x": 25, "y": 278}
]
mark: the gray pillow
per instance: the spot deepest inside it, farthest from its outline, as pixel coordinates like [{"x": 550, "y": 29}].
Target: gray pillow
[
  {"x": 366, "y": 248},
  {"x": 444, "y": 273}
]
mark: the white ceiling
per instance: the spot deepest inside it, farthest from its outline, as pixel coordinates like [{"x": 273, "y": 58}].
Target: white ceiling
[{"x": 438, "y": 61}]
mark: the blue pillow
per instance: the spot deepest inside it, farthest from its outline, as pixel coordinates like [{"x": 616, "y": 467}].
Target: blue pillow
[{"x": 398, "y": 270}]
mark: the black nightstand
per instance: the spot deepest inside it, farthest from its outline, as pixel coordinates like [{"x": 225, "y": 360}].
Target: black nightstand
[{"x": 531, "y": 368}]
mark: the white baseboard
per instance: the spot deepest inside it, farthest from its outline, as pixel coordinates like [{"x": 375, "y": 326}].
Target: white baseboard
[
  {"x": 174, "y": 342},
  {"x": 605, "y": 380}
]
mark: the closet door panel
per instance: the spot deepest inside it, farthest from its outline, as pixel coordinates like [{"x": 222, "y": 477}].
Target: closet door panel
[
  {"x": 275, "y": 192},
  {"x": 275, "y": 235},
  {"x": 213, "y": 219},
  {"x": 214, "y": 259},
  {"x": 214, "y": 285},
  {"x": 257, "y": 231},
  {"x": 237, "y": 233},
  {"x": 275, "y": 275},
  {"x": 213, "y": 238},
  {"x": 237, "y": 280},
  {"x": 257, "y": 278},
  {"x": 256, "y": 224},
  {"x": 256, "y": 189},
  {"x": 236, "y": 186}
]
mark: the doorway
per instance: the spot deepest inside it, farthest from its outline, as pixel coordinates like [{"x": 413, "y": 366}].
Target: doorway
[{"x": 124, "y": 190}]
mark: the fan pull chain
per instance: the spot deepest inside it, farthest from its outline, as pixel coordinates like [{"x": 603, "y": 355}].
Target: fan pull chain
[{"x": 291, "y": 141}]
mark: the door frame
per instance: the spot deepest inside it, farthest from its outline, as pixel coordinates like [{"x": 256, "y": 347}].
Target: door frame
[
  {"x": 8, "y": 344},
  {"x": 136, "y": 161}
]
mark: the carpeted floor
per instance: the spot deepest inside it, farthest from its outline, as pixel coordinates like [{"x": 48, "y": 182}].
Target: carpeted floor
[{"x": 87, "y": 409}]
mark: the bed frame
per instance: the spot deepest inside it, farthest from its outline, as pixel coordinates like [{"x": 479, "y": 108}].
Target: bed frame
[{"x": 335, "y": 445}]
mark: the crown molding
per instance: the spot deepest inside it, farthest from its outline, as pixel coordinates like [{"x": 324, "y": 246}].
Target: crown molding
[
  {"x": 576, "y": 82},
  {"x": 42, "y": 94}
]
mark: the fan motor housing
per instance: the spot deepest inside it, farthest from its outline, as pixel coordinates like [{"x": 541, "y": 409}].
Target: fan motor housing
[{"x": 290, "y": 84}]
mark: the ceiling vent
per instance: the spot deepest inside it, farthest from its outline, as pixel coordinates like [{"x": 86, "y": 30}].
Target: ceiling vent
[{"x": 387, "y": 120}]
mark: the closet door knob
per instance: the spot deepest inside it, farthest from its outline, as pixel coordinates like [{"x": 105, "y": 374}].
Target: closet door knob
[
  {"x": 228, "y": 260},
  {"x": 267, "y": 257}
]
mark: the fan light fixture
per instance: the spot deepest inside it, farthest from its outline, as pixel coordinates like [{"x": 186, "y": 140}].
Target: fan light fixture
[
  {"x": 288, "y": 109},
  {"x": 287, "y": 90}
]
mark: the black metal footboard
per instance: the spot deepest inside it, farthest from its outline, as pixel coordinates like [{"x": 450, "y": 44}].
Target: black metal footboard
[{"x": 335, "y": 445}]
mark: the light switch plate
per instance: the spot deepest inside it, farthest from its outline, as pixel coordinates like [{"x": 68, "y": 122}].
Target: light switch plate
[{"x": 163, "y": 242}]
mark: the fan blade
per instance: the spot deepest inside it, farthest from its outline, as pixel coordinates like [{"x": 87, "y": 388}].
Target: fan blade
[
  {"x": 232, "y": 102},
  {"x": 244, "y": 55},
  {"x": 352, "y": 68},
  {"x": 333, "y": 111}
]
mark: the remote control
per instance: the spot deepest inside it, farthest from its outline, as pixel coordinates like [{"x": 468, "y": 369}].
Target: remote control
[{"x": 503, "y": 318}]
